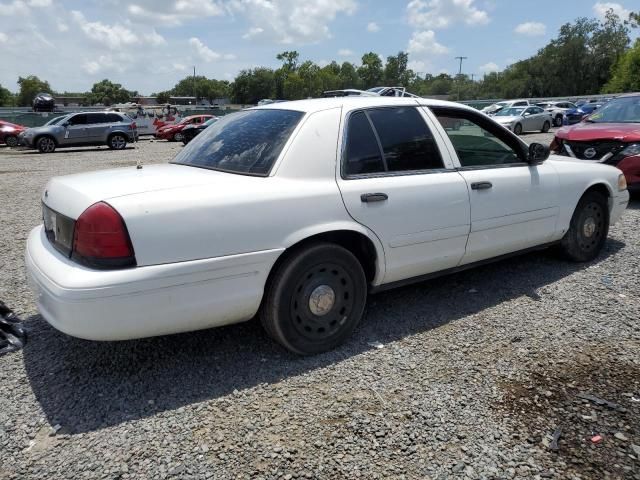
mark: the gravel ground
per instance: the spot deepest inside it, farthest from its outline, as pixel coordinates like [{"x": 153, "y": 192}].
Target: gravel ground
[{"x": 467, "y": 376}]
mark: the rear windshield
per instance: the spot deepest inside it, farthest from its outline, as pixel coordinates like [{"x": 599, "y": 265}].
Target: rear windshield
[{"x": 247, "y": 142}]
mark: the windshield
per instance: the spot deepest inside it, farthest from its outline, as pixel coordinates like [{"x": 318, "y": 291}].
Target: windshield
[
  {"x": 246, "y": 142},
  {"x": 621, "y": 110},
  {"x": 510, "y": 112},
  {"x": 56, "y": 120}
]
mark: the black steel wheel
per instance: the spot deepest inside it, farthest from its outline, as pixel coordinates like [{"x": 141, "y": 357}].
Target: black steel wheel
[
  {"x": 315, "y": 299},
  {"x": 588, "y": 229}
]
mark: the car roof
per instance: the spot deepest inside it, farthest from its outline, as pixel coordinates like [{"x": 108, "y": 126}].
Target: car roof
[{"x": 356, "y": 102}]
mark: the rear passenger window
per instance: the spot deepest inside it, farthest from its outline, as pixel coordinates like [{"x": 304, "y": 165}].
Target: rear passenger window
[
  {"x": 113, "y": 118},
  {"x": 402, "y": 142},
  {"x": 363, "y": 153},
  {"x": 406, "y": 141},
  {"x": 96, "y": 118}
]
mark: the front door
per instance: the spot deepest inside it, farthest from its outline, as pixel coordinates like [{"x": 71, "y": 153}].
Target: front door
[
  {"x": 399, "y": 181},
  {"x": 76, "y": 130},
  {"x": 514, "y": 205}
]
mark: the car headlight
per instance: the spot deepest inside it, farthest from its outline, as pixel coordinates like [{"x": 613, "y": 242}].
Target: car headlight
[
  {"x": 631, "y": 150},
  {"x": 622, "y": 182}
]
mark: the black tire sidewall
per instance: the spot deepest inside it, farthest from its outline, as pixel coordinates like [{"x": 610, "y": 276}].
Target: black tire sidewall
[
  {"x": 517, "y": 129},
  {"x": 277, "y": 308},
  {"x": 570, "y": 242},
  {"x": 11, "y": 139},
  {"x": 546, "y": 126}
]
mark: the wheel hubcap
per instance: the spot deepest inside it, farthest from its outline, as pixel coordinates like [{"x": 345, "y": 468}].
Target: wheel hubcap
[
  {"x": 117, "y": 142},
  {"x": 321, "y": 300},
  {"x": 589, "y": 227}
]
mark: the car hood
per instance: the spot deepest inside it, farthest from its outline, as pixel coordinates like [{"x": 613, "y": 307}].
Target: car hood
[
  {"x": 72, "y": 194},
  {"x": 585, "y": 131},
  {"x": 506, "y": 119}
]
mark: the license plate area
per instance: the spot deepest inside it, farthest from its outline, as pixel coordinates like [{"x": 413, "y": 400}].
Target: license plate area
[{"x": 59, "y": 230}]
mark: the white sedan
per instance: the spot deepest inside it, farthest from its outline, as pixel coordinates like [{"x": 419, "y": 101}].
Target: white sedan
[{"x": 297, "y": 211}]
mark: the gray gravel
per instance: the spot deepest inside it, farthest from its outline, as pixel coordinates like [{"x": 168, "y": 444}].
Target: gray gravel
[{"x": 476, "y": 372}]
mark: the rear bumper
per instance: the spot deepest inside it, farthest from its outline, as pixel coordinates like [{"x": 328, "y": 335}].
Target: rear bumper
[{"x": 144, "y": 301}]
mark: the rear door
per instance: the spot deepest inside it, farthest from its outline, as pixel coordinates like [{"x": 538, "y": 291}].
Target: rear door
[
  {"x": 514, "y": 205},
  {"x": 96, "y": 126},
  {"x": 398, "y": 180}
]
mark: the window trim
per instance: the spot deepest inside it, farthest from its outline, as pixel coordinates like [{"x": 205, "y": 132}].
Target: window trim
[
  {"x": 498, "y": 131},
  {"x": 386, "y": 173}
]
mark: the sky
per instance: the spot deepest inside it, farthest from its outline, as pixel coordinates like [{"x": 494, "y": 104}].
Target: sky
[{"x": 148, "y": 45}]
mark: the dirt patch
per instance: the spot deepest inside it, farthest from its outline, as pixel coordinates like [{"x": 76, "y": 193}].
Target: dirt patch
[{"x": 593, "y": 403}]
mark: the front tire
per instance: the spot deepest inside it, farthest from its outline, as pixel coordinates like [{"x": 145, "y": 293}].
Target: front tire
[
  {"x": 588, "y": 229},
  {"x": 46, "y": 145},
  {"x": 11, "y": 141},
  {"x": 315, "y": 299},
  {"x": 517, "y": 129},
  {"x": 558, "y": 121},
  {"x": 546, "y": 127},
  {"x": 177, "y": 137}
]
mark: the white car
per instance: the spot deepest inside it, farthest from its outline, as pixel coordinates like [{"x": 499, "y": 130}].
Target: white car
[
  {"x": 524, "y": 119},
  {"x": 557, "y": 110},
  {"x": 297, "y": 211},
  {"x": 497, "y": 107}
]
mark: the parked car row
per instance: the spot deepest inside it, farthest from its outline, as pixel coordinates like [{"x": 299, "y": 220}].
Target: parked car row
[{"x": 173, "y": 132}]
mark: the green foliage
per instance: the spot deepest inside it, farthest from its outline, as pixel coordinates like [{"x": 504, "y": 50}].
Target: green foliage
[
  {"x": 7, "y": 99},
  {"x": 29, "y": 87},
  {"x": 626, "y": 73},
  {"x": 371, "y": 72},
  {"x": 201, "y": 87},
  {"x": 107, "y": 93}
]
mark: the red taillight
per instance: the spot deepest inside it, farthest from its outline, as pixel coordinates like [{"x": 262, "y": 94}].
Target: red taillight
[{"x": 101, "y": 239}]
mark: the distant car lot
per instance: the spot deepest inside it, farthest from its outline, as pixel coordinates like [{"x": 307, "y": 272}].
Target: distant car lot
[{"x": 430, "y": 363}]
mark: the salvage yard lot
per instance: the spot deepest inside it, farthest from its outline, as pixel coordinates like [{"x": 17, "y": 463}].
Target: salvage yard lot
[{"x": 468, "y": 375}]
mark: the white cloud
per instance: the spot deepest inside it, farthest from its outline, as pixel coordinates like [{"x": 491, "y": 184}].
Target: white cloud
[
  {"x": 601, "y": 8},
  {"x": 204, "y": 52},
  {"x": 489, "y": 67},
  {"x": 170, "y": 13},
  {"x": 62, "y": 27},
  {"x": 291, "y": 21},
  {"x": 3, "y": 38},
  {"x": 427, "y": 14},
  {"x": 373, "y": 27},
  {"x": 345, "y": 52},
  {"x": 424, "y": 43},
  {"x": 17, "y": 7},
  {"x": 531, "y": 29},
  {"x": 154, "y": 38},
  {"x": 114, "y": 36},
  {"x": 39, "y": 3}
]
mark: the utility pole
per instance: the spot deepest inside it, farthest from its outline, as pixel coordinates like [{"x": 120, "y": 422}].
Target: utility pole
[
  {"x": 195, "y": 92},
  {"x": 460, "y": 75}
]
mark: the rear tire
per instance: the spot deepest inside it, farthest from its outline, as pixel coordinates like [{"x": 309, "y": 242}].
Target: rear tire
[
  {"x": 588, "y": 229},
  {"x": 558, "y": 121},
  {"x": 46, "y": 145},
  {"x": 315, "y": 299},
  {"x": 517, "y": 129},
  {"x": 546, "y": 127},
  {"x": 11, "y": 141},
  {"x": 117, "y": 141}
]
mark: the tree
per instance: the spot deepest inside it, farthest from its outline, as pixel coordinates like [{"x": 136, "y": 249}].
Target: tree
[
  {"x": 396, "y": 72},
  {"x": 348, "y": 76},
  {"x": 251, "y": 86},
  {"x": 289, "y": 59},
  {"x": 106, "y": 92},
  {"x": 7, "y": 99},
  {"x": 29, "y": 87},
  {"x": 626, "y": 73},
  {"x": 371, "y": 70},
  {"x": 162, "y": 97}
]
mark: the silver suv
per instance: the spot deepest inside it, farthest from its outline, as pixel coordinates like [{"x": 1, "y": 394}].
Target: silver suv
[{"x": 82, "y": 129}]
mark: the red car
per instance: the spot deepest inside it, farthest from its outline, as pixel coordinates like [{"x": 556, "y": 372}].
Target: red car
[
  {"x": 610, "y": 135},
  {"x": 9, "y": 133},
  {"x": 173, "y": 132}
]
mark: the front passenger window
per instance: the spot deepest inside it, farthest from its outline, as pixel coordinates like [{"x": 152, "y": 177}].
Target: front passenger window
[{"x": 475, "y": 145}]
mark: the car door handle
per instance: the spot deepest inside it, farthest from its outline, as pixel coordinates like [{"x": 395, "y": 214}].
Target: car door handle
[
  {"x": 481, "y": 185},
  {"x": 373, "y": 197}
]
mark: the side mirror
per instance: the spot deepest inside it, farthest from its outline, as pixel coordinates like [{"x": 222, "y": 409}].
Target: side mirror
[{"x": 538, "y": 153}]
